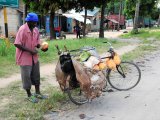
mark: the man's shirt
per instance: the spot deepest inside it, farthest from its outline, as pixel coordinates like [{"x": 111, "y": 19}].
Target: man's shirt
[{"x": 29, "y": 40}]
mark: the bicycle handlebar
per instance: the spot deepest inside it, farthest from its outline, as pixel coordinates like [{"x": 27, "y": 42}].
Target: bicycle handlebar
[{"x": 111, "y": 49}]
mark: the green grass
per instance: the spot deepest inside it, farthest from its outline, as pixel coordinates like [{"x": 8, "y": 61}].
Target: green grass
[
  {"x": 138, "y": 52},
  {"x": 15, "y": 106},
  {"x": 51, "y": 54},
  {"x": 7, "y": 61},
  {"x": 144, "y": 34},
  {"x": 149, "y": 42}
]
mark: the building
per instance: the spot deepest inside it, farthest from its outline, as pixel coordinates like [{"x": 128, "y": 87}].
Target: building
[
  {"x": 14, "y": 18},
  {"x": 93, "y": 16}
]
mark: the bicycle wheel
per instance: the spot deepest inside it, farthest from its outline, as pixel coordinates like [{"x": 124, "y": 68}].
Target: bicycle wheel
[
  {"x": 77, "y": 96},
  {"x": 126, "y": 76}
]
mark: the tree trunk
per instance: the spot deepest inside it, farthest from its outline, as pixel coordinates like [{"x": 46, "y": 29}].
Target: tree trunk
[
  {"x": 101, "y": 32},
  {"x": 135, "y": 26},
  {"x": 112, "y": 8},
  {"x": 51, "y": 25},
  {"x": 84, "y": 25},
  {"x": 119, "y": 17},
  {"x": 159, "y": 21}
]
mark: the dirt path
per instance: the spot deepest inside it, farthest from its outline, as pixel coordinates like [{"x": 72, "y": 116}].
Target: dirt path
[{"x": 47, "y": 71}]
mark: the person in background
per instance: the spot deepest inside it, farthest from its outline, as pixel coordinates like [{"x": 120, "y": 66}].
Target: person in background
[
  {"x": 27, "y": 42},
  {"x": 77, "y": 28}
]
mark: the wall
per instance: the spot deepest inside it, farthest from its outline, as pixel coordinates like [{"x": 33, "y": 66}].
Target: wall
[
  {"x": 97, "y": 26},
  {"x": 12, "y": 19}
]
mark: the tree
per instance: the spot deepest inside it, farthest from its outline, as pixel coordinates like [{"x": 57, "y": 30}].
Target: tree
[
  {"x": 143, "y": 8},
  {"x": 50, "y": 7},
  {"x": 86, "y": 5},
  {"x": 103, "y": 6},
  {"x": 135, "y": 26},
  {"x": 147, "y": 8},
  {"x": 119, "y": 17}
]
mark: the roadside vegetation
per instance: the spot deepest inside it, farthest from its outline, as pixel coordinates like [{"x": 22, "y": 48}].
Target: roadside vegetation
[
  {"x": 144, "y": 33},
  {"x": 149, "y": 42},
  {"x": 14, "y": 106}
]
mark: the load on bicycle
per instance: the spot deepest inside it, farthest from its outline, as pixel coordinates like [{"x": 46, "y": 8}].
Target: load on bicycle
[{"x": 84, "y": 75}]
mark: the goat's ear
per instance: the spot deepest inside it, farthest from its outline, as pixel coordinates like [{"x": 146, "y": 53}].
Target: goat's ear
[{"x": 65, "y": 48}]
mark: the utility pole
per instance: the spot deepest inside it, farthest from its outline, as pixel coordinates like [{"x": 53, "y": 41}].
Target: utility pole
[
  {"x": 5, "y": 21},
  {"x": 6, "y": 26}
]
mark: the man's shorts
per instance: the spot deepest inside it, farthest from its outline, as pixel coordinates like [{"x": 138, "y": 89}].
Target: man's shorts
[{"x": 30, "y": 75}]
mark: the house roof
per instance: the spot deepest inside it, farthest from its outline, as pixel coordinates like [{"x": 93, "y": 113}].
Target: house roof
[
  {"x": 89, "y": 12},
  {"x": 112, "y": 20},
  {"x": 76, "y": 16}
]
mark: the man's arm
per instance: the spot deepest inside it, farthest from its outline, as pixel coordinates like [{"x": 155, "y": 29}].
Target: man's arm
[{"x": 26, "y": 49}]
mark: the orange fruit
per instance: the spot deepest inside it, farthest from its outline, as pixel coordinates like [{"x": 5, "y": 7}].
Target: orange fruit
[{"x": 44, "y": 46}]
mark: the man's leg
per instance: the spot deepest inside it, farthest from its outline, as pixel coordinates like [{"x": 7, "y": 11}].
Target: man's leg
[
  {"x": 26, "y": 80},
  {"x": 37, "y": 89},
  {"x": 35, "y": 77},
  {"x": 77, "y": 34},
  {"x": 28, "y": 92},
  {"x": 36, "y": 81}
]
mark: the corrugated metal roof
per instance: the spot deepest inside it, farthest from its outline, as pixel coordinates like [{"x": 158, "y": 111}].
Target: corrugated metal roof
[{"x": 90, "y": 13}]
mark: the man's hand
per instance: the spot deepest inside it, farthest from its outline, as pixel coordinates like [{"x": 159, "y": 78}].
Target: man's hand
[
  {"x": 33, "y": 52},
  {"x": 38, "y": 46}
]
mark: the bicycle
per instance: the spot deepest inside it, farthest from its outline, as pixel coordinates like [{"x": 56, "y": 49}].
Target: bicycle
[
  {"x": 116, "y": 78},
  {"x": 125, "y": 76}
]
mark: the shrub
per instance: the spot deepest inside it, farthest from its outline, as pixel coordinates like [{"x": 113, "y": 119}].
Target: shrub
[{"x": 3, "y": 48}]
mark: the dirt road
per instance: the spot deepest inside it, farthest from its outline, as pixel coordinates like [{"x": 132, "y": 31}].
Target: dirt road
[
  {"x": 107, "y": 34},
  {"x": 140, "y": 103}
]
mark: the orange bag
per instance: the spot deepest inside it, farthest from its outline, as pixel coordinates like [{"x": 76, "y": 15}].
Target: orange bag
[
  {"x": 110, "y": 64},
  {"x": 96, "y": 67},
  {"x": 117, "y": 59},
  {"x": 102, "y": 65}
]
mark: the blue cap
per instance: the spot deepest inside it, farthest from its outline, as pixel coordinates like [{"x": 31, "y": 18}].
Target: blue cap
[{"x": 31, "y": 17}]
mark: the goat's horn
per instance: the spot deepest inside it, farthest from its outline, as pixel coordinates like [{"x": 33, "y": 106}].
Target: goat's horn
[
  {"x": 65, "y": 48},
  {"x": 59, "y": 52}
]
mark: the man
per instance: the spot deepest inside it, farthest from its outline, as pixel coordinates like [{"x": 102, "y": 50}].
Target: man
[
  {"x": 27, "y": 41},
  {"x": 78, "y": 30}
]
